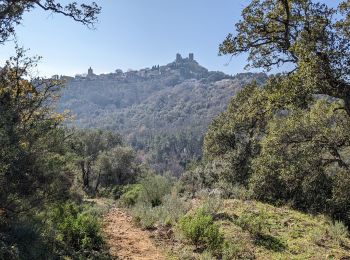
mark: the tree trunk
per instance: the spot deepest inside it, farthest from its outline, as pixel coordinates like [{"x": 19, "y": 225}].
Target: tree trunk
[
  {"x": 85, "y": 173},
  {"x": 98, "y": 181}
]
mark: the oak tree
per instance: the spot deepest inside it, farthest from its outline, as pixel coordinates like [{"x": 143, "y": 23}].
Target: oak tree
[{"x": 308, "y": 37}]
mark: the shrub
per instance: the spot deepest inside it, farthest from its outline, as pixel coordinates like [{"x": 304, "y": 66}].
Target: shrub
[
  {"x": 8, "y": 251},
  {"x": 168, "y": 213},
  {"x": 22, "y": 240},
  {"x": 76, "y": 233},
  {"x": 145, "y": 215},
  {"x": 233, "y": 191},
  {"x": 172, "y": 209},
  {"x": 131, "y": 193},
  {"x": 317, "y": 235},
  {"x": 154, "y": 187},
  {"x": 229, "y": 251},
  {"x": 206, "y": 255},
  {"x": 200, "y": 229},
  {"x": 338, "y": 231},
  {"x": 254, "y": 222},
  {"x": 236, "y": 248},
  {"x": 105, "y": 192},
  {"x": 212, "y": 204}
]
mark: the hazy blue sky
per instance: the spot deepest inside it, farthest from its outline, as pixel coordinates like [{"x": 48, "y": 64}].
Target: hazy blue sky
[{"x": 132, "y": 34}]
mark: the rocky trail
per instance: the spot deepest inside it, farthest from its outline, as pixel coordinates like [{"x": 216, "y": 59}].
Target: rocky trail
[{"x": 127, "y": 241}]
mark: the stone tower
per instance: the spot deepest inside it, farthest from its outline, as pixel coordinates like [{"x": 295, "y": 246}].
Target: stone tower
[
  {"x": 191, "y": 57},
  {"x": 178, "y": 57},
  {"x": 90, "y": 72}
]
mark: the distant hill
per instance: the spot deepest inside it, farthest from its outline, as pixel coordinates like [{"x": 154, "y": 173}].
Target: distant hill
[{"x": 162, "y": 111}]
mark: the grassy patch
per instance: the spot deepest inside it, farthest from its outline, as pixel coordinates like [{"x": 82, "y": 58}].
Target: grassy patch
[
  {"x": 282, "y": 233},
  {"x": 254, "y": 230}
]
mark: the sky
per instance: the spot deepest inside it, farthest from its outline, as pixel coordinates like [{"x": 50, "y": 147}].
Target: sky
[{"x": 132, "y": 34}]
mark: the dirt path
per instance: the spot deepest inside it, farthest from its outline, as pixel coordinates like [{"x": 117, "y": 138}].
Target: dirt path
[{"x": 125, "y": 240}]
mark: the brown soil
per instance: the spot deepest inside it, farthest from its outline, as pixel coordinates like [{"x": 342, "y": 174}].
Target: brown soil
[{"x": 127, "y": 241}]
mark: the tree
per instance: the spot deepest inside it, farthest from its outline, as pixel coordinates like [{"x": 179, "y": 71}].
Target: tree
[
  {"x": 117, "y": 166},
  {"x": 88, "y": 145},
  {"x": 35, "y": 160},
  {"x": 304, "y": 160},
  {"x": 11, "y": 13},
  {"x": 234, "y": 135},
  {"x": 284, "y": 140},
  {"x": 32, "y": 165},
  {"x": 311, "y": 37}
]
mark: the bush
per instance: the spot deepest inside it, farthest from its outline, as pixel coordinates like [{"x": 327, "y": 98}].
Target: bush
[
  {"x": 236, "y": 249},
  {"x": 212, "y": 204},
  {"x": 206, "y": 255},
  {"x": 200, "y": 229},
  {"x": 338, "y": 231},
  {"x": 173, "y": 209},
  {"x": 154, "y": 187},
  {"x": 317, "y": 235},
  {"x": 131, "y": 193},
  {"x": 8, "y": 251},
  {"x": 76, "y": 233},
  {"x": 254, "y": 222},
  {"x": 233, "y": 191},
  {"x": 168, "y": 213},
  {"x": 25, "y": 238},
  {"x": 145, "y": 215}
]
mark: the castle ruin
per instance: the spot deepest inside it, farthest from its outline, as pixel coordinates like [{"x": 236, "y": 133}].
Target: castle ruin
[
  {"x": 180, "y": 59},
  {"x": 90, "y": 72}
]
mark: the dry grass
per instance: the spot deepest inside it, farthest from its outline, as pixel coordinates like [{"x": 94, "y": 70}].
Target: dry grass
[{"x": 255, "y": 230}]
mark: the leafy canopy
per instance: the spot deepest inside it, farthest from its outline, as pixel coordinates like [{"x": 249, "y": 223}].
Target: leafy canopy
[
  {"x": 309, "y": 36},
  {"x": 12, "y": 11}
]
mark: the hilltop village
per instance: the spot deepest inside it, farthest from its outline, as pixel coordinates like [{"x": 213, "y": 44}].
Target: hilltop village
[{"x": 185, "y": 68}]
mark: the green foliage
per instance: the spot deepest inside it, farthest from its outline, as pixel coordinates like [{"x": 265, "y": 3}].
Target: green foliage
[
  {"x": 338, "y": 231},
  {"x": 8, "y": 251},
  {"x": 33, "y": 156},
  {"x": 212, "y": 204},
  {"x": 159, "y": 116},
  {"x": 172, "y": 209},
  {"x": 268, "y": 232},
  {"x": 168, "y": 213},
  {"x": 295, "y": 150},
  {"x": 254, "y": 222},
  {"x": 206, "y": 176},
  {"x": 154, "y": 187},
  {"x": 116, "y": 166},
  {"x": 236, "y": 248},
  {"x": 206, "y": 255},
  {"x": 200, "y": 229},
  {"x": 303, "y": 148},
  {"x": 233, "y": 136},
  {"x": 23, "y": 240},
  {"x": 303, "y": 159},
  {"x": 172, "y": 152},
  {"x": 259, "y": 226},
  {"x": 76, "y": 233},
  {"x": 85, "y": 14},
  {"x": 62, "y": 231},
  {"x": 318, "y": 235},
  {"x": 131, "y": 194},
  {"x": 274, "y": 33},
  {"x": 104, "y": 162},
  {"x": 144, "y": 215},
  {"x": 235, "y": 191}
]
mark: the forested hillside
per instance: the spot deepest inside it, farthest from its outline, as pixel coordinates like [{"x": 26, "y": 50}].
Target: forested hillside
[
  {"x": 163, "y": 111},
  {"x": 175, "y": 161}
]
